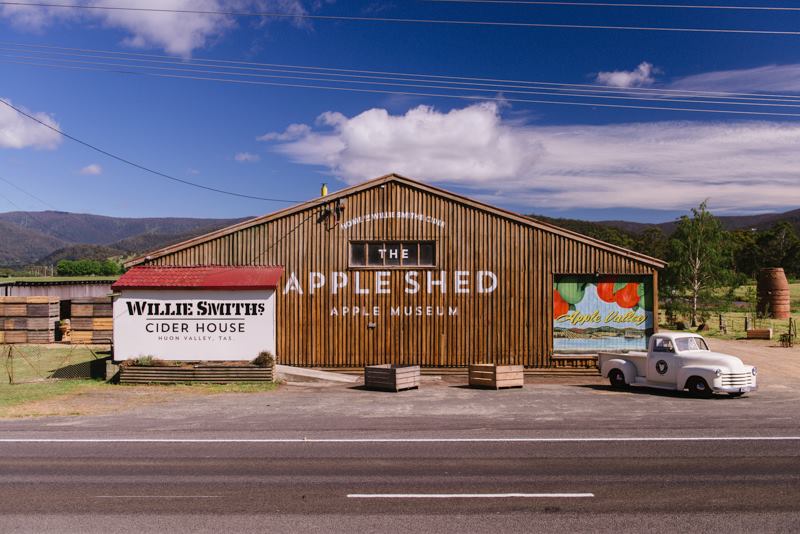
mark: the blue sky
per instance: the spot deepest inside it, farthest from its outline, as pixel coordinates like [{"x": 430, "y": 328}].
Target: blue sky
[{"x": 282, "y": 142}]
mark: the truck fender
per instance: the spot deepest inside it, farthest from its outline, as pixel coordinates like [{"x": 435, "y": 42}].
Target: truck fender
[
  {"x": 627, "y": 368},
  {"x": 706, "y": 372}
]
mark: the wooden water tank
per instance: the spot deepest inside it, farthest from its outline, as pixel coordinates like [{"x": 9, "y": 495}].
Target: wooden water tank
[{"x": 773, "y": 293}]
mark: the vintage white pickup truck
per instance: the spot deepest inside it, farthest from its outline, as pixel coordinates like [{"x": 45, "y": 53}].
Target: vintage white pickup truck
[{"x": 679, "y": 361}]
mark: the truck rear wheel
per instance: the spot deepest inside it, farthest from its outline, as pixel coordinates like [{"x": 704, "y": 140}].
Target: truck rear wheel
[
  {"x": 699, "y": 387},
  {"x": 617, "y": 378}
]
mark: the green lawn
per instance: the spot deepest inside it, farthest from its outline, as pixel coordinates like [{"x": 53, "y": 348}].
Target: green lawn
[
  {"x": 735, "y": 320},
  {"x": 30, "y": 363},
  {"x": 31, "y": 367},
  {"x": 12, "y": 396}
]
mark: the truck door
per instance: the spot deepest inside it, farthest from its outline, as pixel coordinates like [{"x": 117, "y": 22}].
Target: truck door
[{"x": 662, "y": 361}]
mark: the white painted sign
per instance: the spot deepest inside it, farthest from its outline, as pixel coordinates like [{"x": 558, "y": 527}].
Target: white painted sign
[
  {"x": 383, "y": 215},
  {"x": 190, "y": 325}
]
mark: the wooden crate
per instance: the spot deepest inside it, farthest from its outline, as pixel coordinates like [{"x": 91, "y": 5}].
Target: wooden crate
[
  {"x": 759, "y": 333},
  {"x": 102, "y": 323},
  {"x": 81, "y": 337},
  {"x": 103, "y": 310},
  {"x": 43, "y": 300},
  {"x": 202, "y": 373},
  {"x": 82, "y": 323},
  {"x": 15, "y": 310},
  {"x": 41, "y": 336},
  {"x": 82, "y": 310},
  {"x": 391, "y": 377},
  {"x": 41, "y": 323},
  {"x": 15, "y": 323},
  {"x": 43, "y": 310},
  {"x": 489, "y": 375},
  {"x": 14, "y": 300},
  {"x": 16, "y": 336},
  {"x": 102, "y": 336}
]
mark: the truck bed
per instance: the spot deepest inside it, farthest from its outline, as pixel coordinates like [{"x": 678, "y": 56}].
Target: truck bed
[{"x": 639, "y": 359}]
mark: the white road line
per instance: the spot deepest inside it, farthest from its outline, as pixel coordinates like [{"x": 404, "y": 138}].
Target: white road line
[
  {"x": 469, "y": 495},
  {"x": 401, "y": 440}
]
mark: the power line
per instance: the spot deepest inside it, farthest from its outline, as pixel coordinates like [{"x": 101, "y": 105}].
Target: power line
[
  {"x": 503, "y": 85},
  {"x": 137, "y": 165},
  {"x": 411, "y": 20},
  {"x": 18, "y": 188},
  {"x": 450, "y": 79},
  {"x": 31, "y": 215},
  {"x": 429, "y": 85},
  {"x": 415, "y": 93},
  {"x": 463, "y": 80},
  {"x": 608, "y": 4}
]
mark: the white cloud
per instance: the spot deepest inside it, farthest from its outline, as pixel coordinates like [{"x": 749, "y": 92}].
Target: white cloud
[
  {"x": 176, "y": 33},
  {"x": 769, "y": 78},
  {"x": 246, "y": 157},
  {"x": 92, "y": 170},
  {"x": 641, "y": 76},
  {"x": 659, "y": 165},
  {"x": 292, "y": 132},
  {"x": 17, "y": 131}
]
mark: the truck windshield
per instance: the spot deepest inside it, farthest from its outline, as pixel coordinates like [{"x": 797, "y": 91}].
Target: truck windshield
[{"x": 691, "y": 343}]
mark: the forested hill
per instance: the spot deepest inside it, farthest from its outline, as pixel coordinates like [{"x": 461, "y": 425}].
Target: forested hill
[{"x": 44, "y": 237}]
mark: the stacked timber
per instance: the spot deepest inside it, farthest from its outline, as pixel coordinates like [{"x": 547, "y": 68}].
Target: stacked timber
[
  {"x": 92, "y": 320},
  {"x": 28, "y": 319}
]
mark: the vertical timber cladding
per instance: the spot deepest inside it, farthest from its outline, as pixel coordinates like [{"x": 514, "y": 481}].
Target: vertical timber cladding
[{"x": 477, "y": 247}]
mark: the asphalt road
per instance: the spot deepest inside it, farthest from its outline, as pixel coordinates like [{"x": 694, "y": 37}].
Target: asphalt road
[
  {"x": 287, "y": 461},
  {"x": 86, "y": 486}
]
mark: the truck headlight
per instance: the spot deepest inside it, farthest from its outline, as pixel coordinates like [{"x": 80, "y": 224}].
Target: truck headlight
[
  {"x": 718, "y": 372},
  {"x": 754, "y": 371}
]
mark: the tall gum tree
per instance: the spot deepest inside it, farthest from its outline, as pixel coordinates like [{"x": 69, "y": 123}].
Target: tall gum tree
[{"x": 700, "y": 257}]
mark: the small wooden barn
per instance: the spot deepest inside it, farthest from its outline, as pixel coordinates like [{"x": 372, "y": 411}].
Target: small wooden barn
[{"x": 397, "y": 271}]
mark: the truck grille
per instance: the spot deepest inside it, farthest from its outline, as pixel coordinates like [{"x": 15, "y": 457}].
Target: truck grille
[{"x": 736, "y": 379}]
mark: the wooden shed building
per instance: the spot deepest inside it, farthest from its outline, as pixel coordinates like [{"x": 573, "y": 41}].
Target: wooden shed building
[{"x": 397, "y": 271}]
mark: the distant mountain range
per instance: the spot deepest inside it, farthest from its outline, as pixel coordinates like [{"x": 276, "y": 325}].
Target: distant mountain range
[
  {"x": 45, "y": 237},
  {"x": 763, "y": 221}
]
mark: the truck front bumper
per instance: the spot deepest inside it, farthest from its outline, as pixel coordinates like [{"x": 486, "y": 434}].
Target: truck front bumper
[{"x": 734, "y": 389}]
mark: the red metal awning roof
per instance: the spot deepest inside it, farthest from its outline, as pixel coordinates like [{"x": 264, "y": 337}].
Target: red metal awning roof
[{"x": 156, "y": 277}]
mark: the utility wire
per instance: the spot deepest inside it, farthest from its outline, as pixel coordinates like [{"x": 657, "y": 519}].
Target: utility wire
[
  {"x": 428, "y": 84},
  {"x": 137, "y": 165},
  {"x": 32, "y": 215},
  {"x": 372, "y": 74},
  {"x": 608, "y": 4},
  {"x": 18, "y": 188},
  {"x": 408, "y": 93},
  {"x": 410, "y": 20}
]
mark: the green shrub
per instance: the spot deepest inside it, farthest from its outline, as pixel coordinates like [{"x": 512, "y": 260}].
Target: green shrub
[{"x": 264, "y": 359}]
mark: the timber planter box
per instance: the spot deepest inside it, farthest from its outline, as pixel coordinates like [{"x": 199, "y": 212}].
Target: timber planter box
[
  {"x": 219, "y": 374},
  {"x": 391, "y": 377},
  {"x": 489, "y": 375}
]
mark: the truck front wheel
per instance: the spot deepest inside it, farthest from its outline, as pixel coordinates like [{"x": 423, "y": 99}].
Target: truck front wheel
[
  {"x": 699, "y": 387},
  {"x": 617, "y": 378}
]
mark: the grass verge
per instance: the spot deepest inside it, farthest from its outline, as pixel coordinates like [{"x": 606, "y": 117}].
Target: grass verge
[
  {"x": 93, "y": 397},
  {"x": 14, "y": 396}
]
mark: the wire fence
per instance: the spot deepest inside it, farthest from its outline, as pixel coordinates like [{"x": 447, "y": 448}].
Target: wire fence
[{"x": 37, "y": 363}]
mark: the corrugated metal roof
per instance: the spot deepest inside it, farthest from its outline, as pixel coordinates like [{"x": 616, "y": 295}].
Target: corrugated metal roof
[{"x": 150, "y": 277}]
